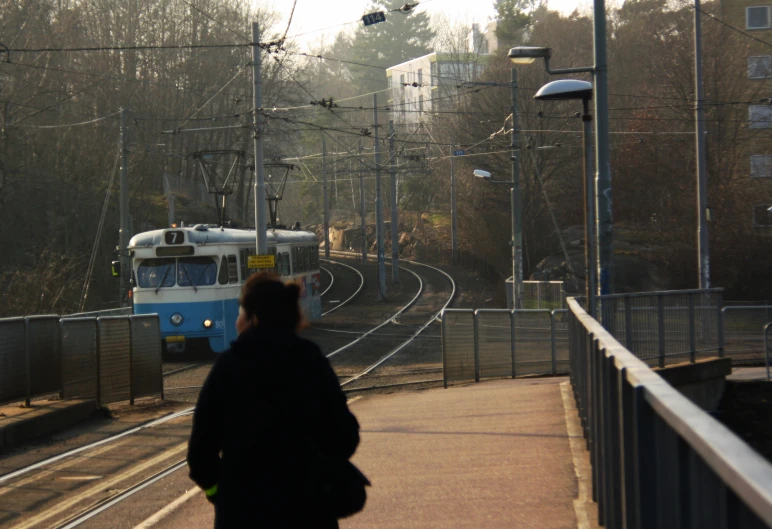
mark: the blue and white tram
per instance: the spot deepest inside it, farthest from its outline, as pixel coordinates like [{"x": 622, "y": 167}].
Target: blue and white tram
[{"x": 192, "y": 276}]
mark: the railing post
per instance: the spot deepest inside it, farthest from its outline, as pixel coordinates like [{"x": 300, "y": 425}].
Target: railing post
[
  {"x": 720, "y": 315},
  {"x": 554, "y": 346},
  {"x": 512, "y": 336},
  {"x": 476, "y": 348},
  {"x": 443, "y": 344},
  {"x": 28, "y": 398},
  {"x": 661, "y": 329},
  {"x": 766, "y": 346},
  {"x": 644, "y": 462},
  {"x": 61, "y": 360},
  {"x": 98, "y": 363},
  {"x": 692, "y": 335},
  {"x": 131, "y": 362},
  {"x": 628, "y": 327},
  {"x": 538, "y": 295}
]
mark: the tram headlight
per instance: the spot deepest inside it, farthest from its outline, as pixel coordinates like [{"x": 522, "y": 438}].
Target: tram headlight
[
  {"x": 176, "y": 318},
  {"x": 207, "y": 324}
]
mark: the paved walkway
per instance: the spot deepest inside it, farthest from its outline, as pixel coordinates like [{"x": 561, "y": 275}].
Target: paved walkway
[{"x": 489, "y": 455}]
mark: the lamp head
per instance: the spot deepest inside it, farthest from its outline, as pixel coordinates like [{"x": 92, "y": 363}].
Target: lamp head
[
  {"x": 528, "y": 54},
  {"x": 479, "y": 173},
  {"x": 564, "y": 89}
]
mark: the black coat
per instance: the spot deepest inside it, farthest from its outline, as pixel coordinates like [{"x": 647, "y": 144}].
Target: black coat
[{"x": 262, "y": 400}]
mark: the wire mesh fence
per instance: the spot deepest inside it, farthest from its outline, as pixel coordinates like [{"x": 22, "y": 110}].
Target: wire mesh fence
[
  {"x": 491, "y": 343},
  {"x": 550, "y": 295},
  {"x": 744, "y": 332},
  {"x": 108, "y": 358},
  {"x": 660, "y": 326}
]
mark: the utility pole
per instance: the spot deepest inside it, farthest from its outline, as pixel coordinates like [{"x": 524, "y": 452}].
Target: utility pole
[
  {"x": 261, "y": 237},
  {"x": 123, "y": 235},
  {"x": 703, "y": 240},
  {"x": 394, "y": 216},
  {"x": 603, "y": 166},
  {"x": 325, "y": 214},
  {"x": 590, "y": 247},
  {"x": 362, "y": 205},
  {"x": 517, "y": 209},
  {"x": 378, "y": 204},
  {"x": 453, "y": 218}
]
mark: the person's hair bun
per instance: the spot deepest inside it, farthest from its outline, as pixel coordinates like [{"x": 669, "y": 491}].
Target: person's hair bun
[{"x": 274, "y": 303}]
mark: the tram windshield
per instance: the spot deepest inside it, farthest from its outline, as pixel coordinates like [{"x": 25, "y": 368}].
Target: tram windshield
[
  {"x": 156, "y": 273},
  {"x": 196, "y": 271}
]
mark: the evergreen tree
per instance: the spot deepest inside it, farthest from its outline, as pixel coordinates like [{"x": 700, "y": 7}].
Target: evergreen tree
[
  {"x": 513, "y": 16},
  {"x": 403, "y": 36}
]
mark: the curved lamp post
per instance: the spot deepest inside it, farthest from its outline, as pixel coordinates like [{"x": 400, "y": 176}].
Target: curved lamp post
[{"x": 568, "y": 89}]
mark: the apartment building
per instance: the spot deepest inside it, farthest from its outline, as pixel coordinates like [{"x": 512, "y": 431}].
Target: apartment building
[
  {"x": 755, "y": 19},
  {"x": 429, "y": 84}
]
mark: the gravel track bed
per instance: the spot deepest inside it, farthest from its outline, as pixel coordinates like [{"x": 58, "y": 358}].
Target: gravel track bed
[{"x": 420, "y": 360}]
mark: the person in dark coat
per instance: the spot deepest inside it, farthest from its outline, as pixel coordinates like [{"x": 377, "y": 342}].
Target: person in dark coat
[{"x": 263, "y": 400}]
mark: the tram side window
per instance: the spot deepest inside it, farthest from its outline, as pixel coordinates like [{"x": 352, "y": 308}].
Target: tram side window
[
  {"x": 153, "y": 273},
  {"x": 315, "y": 257},
  {"x": 285, "y": 262},
  {"x": 307, "y": 257},
  {"x": 298, "y": 259},
  {"x": 222, "y": 277},
  {"x": 233, "y": 269},
  {"x": 278, "y": 263}
]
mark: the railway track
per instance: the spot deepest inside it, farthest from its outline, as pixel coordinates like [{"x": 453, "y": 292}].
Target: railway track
[{"x": 413, "y": 319}]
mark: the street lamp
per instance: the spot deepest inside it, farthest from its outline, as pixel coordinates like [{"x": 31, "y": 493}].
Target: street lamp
[
  {"x": 517, "y": 279},
  {"x": 602, "y": 202},
  {"x": 571, "y": 89}
]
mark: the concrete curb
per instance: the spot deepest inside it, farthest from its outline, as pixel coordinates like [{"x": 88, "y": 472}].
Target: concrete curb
[{"x": 44, "y": 421}]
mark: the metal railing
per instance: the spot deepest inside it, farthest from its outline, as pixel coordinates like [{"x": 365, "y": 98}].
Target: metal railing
[
  {"x": 657, "y": 325},
  {"x": 743, "y": 332},
  {"x": 767, "y": 345},
  {"x": 550, "y": 295},
  {"x": 122, "y": 311},
  {"x": 657, "y": 459},
  {"x": 107, "y": 358},
  {"x": 488, "y": 343}
]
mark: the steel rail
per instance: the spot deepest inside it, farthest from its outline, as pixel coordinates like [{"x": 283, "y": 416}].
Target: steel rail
[
  {"x": 391, "y": 318},
  {"x": 181, "y": 369},
  {"x": 117, "y": 498},
  {"x": 404, "y": 344},
  {"x": 355, "y": 294},
  {"x": 332, "y": 281},
  {"x": 54, "y": 459}
]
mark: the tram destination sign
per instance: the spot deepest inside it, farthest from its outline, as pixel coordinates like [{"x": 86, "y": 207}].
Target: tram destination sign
[
  {"x": 256, "y": 262},
  {"x": 373, "y": 18}
]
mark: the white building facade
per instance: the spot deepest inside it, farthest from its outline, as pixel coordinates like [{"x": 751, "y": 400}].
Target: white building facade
[{"x": 429, "y": 84}]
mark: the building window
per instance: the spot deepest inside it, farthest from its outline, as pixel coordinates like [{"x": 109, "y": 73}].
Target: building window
[
  {"x": 757, "y": 17},
  {"x": 762, "y": 217},
  {"x": 760, "y": 116},
  {"x": 388, "y": 82},
  {"x": 761, "y": 166},
  {"x": 402, "y": 81},
  {"x": 434, "y": 73},
  {"x": 420, "y": 77},
  {"x": 420, "y": 105},
  {"x": 760, "y": 67}
]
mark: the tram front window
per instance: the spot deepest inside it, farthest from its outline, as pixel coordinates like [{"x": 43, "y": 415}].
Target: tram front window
[
  {"x": 196, "y": 271},
  {"x": 155, "y": 273}
]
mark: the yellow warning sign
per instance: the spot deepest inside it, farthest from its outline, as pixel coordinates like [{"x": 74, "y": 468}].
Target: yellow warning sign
[{"x": 261, "y": 261}]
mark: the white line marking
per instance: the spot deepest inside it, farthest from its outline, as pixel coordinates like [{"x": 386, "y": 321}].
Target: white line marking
[
  {"x": 169, "y": 509},
  {"x": 579, "y": 456}
]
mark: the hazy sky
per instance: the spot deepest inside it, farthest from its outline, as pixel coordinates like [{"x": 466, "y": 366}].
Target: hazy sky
[{"x": 319, "y": 19}]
